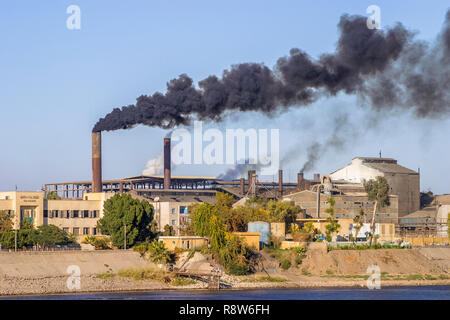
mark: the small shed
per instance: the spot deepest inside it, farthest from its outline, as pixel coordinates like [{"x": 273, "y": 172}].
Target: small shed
[
  {"x": 251, "y": 239},
  {"x": 263, "y": 228}
]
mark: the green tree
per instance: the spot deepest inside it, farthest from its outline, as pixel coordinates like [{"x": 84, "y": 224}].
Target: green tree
[
  {"x": 168, "y": 230},
  {"x": 224, "y": 201},
  {"x": 235, "y": 255},
  {"x": 282, "y": 211},
  {"x": 216, "y": 233},
  {"x": 52, "y": 195},
  {"x": 378, "y": 191},
  {"x": 158, "y": 252},
  {"x": 122, "y": 212},
  {"x": 212, "y": 221},
  {"x": 7, "y": 239},
  {"x": 358, "y": 223},
  {"x": 201, "y": 217},
  {"x": 48, "y": 235},
  {"x": 332, "y": 225},
  {"x": 6, "y": 222}
]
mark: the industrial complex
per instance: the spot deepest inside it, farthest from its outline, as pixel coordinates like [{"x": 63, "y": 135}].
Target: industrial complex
[{"x": 81, "y": 202}]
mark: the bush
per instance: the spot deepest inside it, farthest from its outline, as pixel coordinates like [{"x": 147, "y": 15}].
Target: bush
[
  {"x": 285, "y": 264},
  {"x": 300, "y": 254},
  {"x": 234, "y": 255},
  {"x": 97, "y": 242},
  {"x": 141, "y": 249},
  {"x": 158, "y": 253},
  {"x": 182, "y": 281}
]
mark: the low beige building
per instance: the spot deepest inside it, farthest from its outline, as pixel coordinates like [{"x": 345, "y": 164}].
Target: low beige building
[
  {"x": 78, "y": 217},
  {"x": 251, "y": 239},
  {"x": 183, "y": 242}
]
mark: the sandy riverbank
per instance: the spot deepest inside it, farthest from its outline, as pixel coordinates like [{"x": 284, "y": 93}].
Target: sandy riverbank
[{"x": 46, "y": 273}]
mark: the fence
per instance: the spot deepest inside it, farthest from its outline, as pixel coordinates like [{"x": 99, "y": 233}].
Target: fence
[
  {"x": 40, "y": 249},
  {"x": 427, "y": 241}
]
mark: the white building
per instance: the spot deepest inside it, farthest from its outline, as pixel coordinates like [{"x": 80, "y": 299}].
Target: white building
[{"x": 404, "y": 182}]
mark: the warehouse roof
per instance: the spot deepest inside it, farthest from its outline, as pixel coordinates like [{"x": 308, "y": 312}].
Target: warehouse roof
[{"x": 386, "y": 165}]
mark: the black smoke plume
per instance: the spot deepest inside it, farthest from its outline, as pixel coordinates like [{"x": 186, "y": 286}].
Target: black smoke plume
[
  {"x": 239, "y": 170},
  {"x": 388, "y": 69}
]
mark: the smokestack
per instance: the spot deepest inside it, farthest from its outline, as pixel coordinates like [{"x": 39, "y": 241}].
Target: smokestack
[
  {"x": 280, "y": 181},
  {"x": 306, "y": 184},
  {"x": 251, "y": 177},
  {"x": 242, "y": 185},
  {"x": 167, "y": 173},
  {"x": 97, "y": 185},
  {"x": 316, "y": 176},
  {"x": 300, "y": 181}
]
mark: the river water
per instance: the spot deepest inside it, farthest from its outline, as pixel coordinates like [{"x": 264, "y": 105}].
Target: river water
[{"x": 385, "y": 293}]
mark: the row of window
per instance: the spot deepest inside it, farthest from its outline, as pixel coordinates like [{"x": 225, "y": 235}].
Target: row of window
[
  {"x": 183, "y": 220},
  {"x": 86, "y": 231},
  {"x": 71, "y": 214}
]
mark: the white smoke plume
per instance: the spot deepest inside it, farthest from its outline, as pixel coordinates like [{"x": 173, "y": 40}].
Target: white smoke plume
[{"x": 154, "y": 166}]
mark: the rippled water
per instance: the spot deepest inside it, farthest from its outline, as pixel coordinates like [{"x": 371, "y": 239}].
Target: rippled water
[{"x": 386, "y": 293}]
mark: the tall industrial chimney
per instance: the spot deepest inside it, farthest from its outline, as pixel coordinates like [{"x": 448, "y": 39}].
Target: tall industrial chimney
[
  {"x": 280, "y": 181},
  {"x": 252, "y": 182},
  {"x": 97, "y": 185},
  {"x": 242, "y": 186},
  {"x": 300, "y": 181},
  {"x": 167, "y": 163}
]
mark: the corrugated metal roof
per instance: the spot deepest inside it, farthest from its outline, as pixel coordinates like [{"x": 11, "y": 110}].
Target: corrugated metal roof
[{"x": 389, "y": 168}]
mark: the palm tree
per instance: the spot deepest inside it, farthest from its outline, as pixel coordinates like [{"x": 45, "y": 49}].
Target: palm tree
[{"x": 378, "y": 191}]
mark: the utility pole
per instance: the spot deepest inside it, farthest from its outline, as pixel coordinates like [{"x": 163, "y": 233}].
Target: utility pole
[
  {"x": 15, "y": 240},
  {"x": 125, "y": 237}
]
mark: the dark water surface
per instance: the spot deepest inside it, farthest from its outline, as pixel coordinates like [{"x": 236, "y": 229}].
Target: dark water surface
[{"x": 386, "y": 293}]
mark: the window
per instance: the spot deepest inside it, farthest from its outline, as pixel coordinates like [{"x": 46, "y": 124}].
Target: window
[
  {"x": 85, "y": 213},
  {"x": 66, "y": 230},
  {"x": 173, "y": 211},
  {"x": 174, "y": 222},
  {"x": 85, "y": 231},
  {"x": 76, "y": 231},
  {"x": 94, "y": 231},
  {"x": 75, "y": 214},
  {"x": 183, "y": 209},
  {"x": 45, "y": 213},
  {"x": 95, "y": 214}
]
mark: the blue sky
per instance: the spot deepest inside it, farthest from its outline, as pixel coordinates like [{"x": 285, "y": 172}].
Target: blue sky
[{"x": 56, "y": 82}]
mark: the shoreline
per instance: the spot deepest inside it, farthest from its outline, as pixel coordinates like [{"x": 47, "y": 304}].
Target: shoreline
[{"x": 124, "y": 285}]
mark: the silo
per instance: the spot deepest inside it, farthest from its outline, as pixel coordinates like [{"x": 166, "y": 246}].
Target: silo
[{"x": 263, "y": 227}]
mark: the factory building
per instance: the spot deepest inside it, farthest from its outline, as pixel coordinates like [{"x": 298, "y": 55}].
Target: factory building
[
  {"x": 82, "y": 202},
  {"x": 80, "y": 216},
  {"x": 349, "y": 200},
  {"x": 431, "y": 220},
  {"x": 404, "y": 182}
]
